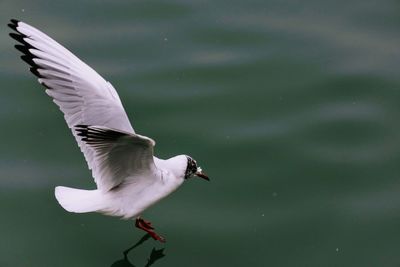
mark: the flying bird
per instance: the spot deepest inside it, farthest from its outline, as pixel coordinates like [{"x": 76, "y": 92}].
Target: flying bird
[{"x": 129, "y": 178}]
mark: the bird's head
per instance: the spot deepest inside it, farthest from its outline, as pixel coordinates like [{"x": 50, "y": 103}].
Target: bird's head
[{"x": 193, "y": 170}]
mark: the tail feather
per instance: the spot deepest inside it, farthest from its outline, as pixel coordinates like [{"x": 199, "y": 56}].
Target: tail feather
[{"x": 78, "y": 200}]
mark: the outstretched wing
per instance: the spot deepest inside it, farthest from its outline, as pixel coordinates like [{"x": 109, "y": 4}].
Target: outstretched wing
[
  {"x": 119, "y": 156},
  {"x": 82, "y": 95}
]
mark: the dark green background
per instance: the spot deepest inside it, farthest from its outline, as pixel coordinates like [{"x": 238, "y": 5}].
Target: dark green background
[{"x": 291, "y": 107}]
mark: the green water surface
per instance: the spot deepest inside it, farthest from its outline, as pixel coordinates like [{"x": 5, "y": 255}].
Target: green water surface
[{"x": 291, "y": 107}]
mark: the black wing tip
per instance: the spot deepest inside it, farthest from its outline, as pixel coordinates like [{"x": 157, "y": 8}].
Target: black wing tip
[
  {"x": 82, "y": 134},
  {"x": 19, "y": 37},
  {"x": 13, "y": 24},
  {"x": 22, "y": 48},
  {"x": 93, "y": 135},
  {"x": 35, "y": 72},
  {"x": 28, "y": 59},
  {"x": 81, "y": 127},
  {"x": 15, "y": 21},
  {"x": 27, "y": 56}
]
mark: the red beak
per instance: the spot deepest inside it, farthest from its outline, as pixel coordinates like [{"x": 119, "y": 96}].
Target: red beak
[{"x": 202, "y": 175}]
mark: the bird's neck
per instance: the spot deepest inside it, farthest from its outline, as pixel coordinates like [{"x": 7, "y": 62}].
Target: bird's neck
[{"x": 175, "y": 166}]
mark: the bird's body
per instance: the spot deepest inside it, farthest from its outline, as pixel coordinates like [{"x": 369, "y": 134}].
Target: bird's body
[
  {"x": 128, "y": 199},
  {"x": 128, "y": 176}
]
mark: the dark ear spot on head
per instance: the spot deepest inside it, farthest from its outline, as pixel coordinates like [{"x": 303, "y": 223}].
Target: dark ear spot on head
[{"x": 191, "y": 167}]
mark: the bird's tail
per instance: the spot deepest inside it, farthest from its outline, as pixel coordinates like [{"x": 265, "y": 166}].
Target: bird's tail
[{"x": 78, "y": 200}]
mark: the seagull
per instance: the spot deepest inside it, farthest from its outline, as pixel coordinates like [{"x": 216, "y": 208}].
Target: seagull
[{"x": 128, "y": 177}]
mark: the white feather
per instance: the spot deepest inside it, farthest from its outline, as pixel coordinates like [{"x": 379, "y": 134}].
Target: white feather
[{"x": 78, "y": 200}]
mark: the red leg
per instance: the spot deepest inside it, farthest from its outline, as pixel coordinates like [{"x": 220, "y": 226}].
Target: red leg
[{"x": 146, "y": 226}]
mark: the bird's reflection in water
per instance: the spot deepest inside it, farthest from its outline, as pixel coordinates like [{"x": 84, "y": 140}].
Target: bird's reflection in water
[{"x": 155, "y": 255}]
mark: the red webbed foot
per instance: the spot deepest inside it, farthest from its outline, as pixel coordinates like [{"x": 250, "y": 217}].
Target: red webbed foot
[{"x": 147, "y": 227}]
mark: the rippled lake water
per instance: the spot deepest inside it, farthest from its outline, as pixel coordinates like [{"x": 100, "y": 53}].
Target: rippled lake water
[{"x": 291, "y": 107}]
